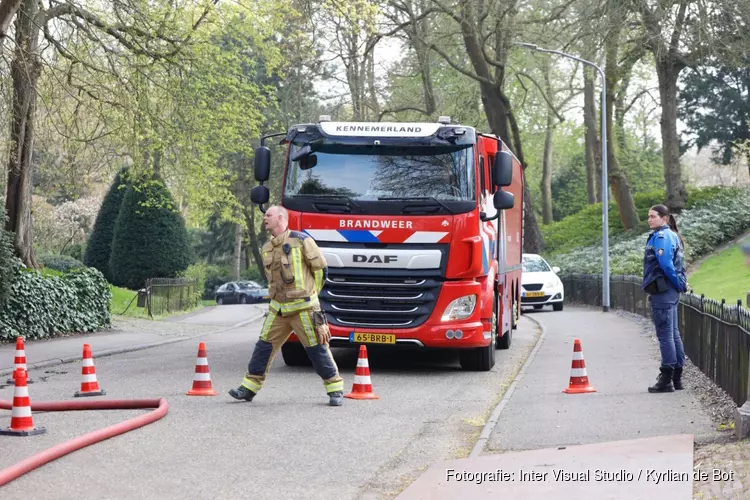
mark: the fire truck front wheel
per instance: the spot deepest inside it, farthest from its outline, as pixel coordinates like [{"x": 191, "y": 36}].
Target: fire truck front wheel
[
  {"x": 479, "y": 359},
  {"x": 294, "y": 354}
]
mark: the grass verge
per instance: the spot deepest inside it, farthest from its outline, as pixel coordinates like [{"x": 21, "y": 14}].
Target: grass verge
[
  {"x": 723, "y": 276},
  {"x": 125, "y": 303}
]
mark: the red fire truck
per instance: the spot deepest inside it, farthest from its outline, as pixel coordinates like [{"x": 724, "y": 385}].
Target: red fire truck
[{"x": 421, "y": 225}]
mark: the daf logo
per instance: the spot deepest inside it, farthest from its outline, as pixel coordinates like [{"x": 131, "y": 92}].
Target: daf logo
[
  {"x": 445, "y": 222},
  {"x": 375, "y": 259}
]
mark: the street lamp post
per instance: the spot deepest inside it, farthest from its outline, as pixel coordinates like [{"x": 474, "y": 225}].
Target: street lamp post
[{"x": 605, "y": 184}]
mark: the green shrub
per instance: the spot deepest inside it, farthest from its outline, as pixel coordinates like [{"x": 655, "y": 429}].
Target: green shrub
[
  {"x": 77, "y": 251},
  {"x": 9, "y": 264},
  {"x": 62, "y": 263},
  {"x": 42, "y": 306},
  {"x": 198, "y": 273},
  {"x": 585, "y": 227},
  {"x": 150, "y": 239},
  {"x": 99, "y": 247},
  {"x": 715, "y": 218}
]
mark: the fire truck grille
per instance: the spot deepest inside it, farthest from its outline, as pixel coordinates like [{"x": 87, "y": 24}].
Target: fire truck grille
[{"x": 379, "y": 302}]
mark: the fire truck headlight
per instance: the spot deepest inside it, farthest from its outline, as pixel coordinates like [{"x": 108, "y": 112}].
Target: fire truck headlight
[{"x": 461, "y": 308}]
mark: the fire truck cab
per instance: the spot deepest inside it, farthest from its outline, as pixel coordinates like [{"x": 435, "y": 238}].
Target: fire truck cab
[{"x": 420, "y": 227}]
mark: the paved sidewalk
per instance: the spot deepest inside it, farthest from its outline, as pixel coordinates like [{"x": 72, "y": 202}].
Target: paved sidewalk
[
  {"x": 621, "y": 362},
  {"x": 127, "y": 334},
  {"x": 643, "y": 469},
  {"x": 620, "y": 427}
]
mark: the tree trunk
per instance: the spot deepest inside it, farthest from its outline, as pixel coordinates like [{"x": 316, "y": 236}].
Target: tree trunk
[
  {"x": 593, "y": 143},
  {"x": 619, "y": 129},
  {"x": 418, "y": 32},
  {"x": 423, "y": 56},
  {"x": 547, "y": 170},
  {"x": 237, "y": 257},
  {"x": 254, "y": 240},
  {"x": 157, "y": 162},
  {"x": 620, "y": 185},
  {"x": 372, "y": 90},
  {"x": 8, "y": 9},
  {"x": 25, "y": 70},
  {"x": 499, "y": 113},
  {"x": 677, "y": 195},
  {"x": 533, "y": 240}
]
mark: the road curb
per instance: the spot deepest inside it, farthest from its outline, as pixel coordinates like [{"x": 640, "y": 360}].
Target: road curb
[
  {"x": 492, "y": 422},
  {"x": 138, "y": 347}
]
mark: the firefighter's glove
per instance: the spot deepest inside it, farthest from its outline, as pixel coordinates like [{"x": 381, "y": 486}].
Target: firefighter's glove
[{"x": 321, "y": 327}]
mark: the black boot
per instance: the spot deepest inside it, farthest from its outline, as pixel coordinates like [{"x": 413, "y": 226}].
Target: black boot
[
  {"x": 664, "y": 381},
  {"x": 242, "y": 393},
  {"x": 677, "y": 378}
]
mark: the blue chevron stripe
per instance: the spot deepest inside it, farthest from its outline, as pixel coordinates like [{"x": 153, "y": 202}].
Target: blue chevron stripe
[{"x": 355, "y": 236}]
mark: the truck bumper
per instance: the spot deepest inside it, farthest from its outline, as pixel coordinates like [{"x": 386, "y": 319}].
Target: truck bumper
[{"x": 444, "y": 336}]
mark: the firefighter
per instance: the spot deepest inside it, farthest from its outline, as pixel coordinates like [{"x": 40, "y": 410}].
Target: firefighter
[
  {"x": 664, "y": 279},
  {"x": 296, "y": 272}
]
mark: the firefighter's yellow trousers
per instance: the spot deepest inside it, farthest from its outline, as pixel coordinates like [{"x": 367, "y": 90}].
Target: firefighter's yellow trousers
[{"x": 276, "y": 330}]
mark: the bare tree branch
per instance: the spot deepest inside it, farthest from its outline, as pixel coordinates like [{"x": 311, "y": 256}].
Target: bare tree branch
[
  {"x": 398, "y": 110},
  {"x": 544, "y": 95}
]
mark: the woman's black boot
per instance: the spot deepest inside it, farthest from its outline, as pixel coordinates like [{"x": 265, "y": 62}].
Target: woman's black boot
[
  {"x": 664, "y": 381},
  {"x": 677, "y": 378}
]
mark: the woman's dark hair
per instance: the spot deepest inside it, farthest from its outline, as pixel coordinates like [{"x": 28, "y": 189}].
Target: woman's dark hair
[{"x": 663, "y": 211}]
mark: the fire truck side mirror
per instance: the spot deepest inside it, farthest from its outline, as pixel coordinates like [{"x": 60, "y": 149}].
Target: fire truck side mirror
[
  {"x": 259, "y": 195},
  {"x": 502, "y": 172},
  {"x": 262, "y": 164},
  {"x": 503, "y": 200}
]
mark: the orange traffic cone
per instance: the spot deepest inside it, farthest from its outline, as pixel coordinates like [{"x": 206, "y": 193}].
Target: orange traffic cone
[
  {"x": 21, "y": 421},
  {"x": 89, "y": 385},
  {"x": 362, "y": 388},
  {"x": 202, "y": 378},
  {"x": 20, "y": 361},
  {"x": 579, "y": 381}
]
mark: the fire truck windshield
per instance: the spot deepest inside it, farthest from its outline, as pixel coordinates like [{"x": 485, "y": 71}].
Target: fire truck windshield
[{"x": 355, "y": 172}]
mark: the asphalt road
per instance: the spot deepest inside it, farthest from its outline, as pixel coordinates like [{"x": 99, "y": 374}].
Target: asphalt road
[
  {"x": 287, "y": 443},
  {"x": 225, "y": 315}
]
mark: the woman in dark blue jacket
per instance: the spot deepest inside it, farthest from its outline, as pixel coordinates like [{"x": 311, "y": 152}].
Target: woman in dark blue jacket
[{"x": 664, "y": 279}]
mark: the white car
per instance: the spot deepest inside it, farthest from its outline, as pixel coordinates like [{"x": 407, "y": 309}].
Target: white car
[{"x": 540, "y": 285}]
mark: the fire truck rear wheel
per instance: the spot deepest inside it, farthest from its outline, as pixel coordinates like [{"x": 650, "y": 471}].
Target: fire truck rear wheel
[
  {"x": 294, "y": 354},
  {"x": 503, "y": 341}
]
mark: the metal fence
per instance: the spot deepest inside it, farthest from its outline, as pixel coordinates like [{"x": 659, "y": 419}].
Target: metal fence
[
  {"x": 716, "y": 335},
  {"x": 167, "y": 295}
]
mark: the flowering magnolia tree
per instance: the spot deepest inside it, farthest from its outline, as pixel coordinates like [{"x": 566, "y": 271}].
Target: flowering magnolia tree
[{"x": 58, "y": 227}]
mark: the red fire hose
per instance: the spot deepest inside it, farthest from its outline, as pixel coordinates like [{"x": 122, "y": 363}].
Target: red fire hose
[{"x": 15, "y": 471}]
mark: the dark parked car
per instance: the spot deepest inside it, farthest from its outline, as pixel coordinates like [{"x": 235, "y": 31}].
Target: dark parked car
[{"x": 241, "y": 292}]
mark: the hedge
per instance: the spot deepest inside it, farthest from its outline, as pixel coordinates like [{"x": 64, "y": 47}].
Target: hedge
[
  {"x": 717, "y": 217},
  {"x": 42, "y": 306},
  {"x": 99, "y": 246},
  {"x": 8, "y": 264},
  {"x": 59, "y": 262},
  {"x": 585, "y": 227},
  {"x": 150, "y": 239}
]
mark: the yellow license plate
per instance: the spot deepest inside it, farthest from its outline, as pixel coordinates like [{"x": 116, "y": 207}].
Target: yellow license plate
[
  {"x": 265, "y": 296},
  {"x": 373, "y": 338},
  {"x": 535, "y": 294}
]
